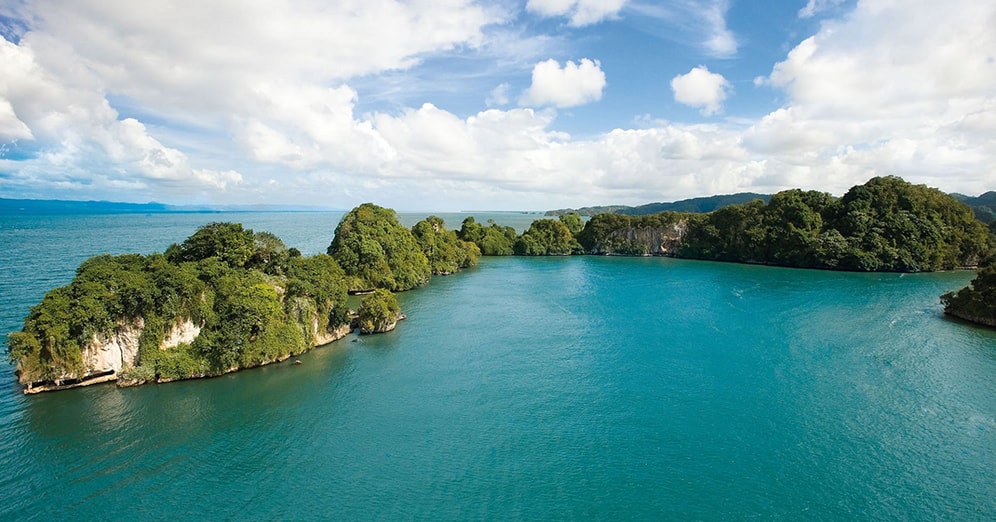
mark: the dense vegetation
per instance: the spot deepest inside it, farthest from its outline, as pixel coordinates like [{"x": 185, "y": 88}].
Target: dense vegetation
[
  {"x": 977, "y": 302},
  {"x": 254, "y": 300},
  {"x": 547, "y": 237},
  {"x": 632, "y": 235},
  {"x": 492, "y": 240},
  {"x": 379, "y": 311},
  {"x": 376, "y": 251},
  {"x": 984, "y": 205},
  {"x": 444, "y": 250},
  {"x": 886, "y": 224}
]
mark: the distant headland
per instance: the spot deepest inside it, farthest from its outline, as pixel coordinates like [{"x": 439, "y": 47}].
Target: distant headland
[{"x": 66, "y": 207}]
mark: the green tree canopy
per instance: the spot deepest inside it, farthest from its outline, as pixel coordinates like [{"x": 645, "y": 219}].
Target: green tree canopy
[
  {"x": 573, "y": 222},
  {"x": 977, "y": 302},
  {"x": 253, "y": 301},
  {"x": 229, "y": 242},
  {"x": 492, "y": 240},
  {"x": 444, "y": 250},
  {"x": 887, "y": 224},
  {"x": 375, "y": 250},
  {"x": 546, "y": 237},
  {"x": 379, "y": 311}
]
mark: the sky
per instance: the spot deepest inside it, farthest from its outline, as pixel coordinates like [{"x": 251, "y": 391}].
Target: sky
[{"x": 450, "y": 105}]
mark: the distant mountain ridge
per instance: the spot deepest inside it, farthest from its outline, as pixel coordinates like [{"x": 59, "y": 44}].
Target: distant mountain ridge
[
  {"x": 984, "y": 206},
  {"x": 698, "y": 205},
  {"x": 58, "y": 206}
]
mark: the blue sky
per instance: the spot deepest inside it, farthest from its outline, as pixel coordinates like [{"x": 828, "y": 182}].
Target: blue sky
[{"x": 502, "y": 105}]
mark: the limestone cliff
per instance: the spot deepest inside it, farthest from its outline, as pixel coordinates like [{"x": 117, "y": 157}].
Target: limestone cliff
[
  {"x": 118, "y": 349},
  {"x": 663, "y": 240},
  {"x": 108, "y": 353},
  {"x": 323, "y": 338}
]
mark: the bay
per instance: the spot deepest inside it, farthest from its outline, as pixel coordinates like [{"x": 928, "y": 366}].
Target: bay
[{"x": 539, "y": 389}]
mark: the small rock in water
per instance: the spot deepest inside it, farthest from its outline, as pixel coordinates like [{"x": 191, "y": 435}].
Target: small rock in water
[{"x": 297, "y": 361}]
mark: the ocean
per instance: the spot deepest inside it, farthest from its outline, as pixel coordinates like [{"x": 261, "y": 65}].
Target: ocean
[{"x": 569, "y": 388}]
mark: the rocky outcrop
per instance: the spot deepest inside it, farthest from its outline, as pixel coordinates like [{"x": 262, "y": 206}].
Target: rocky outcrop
[
  {"x": 382, "y": 327},
  {"x": 115, "y": 350},
  {"x": 118, "y": 349},
  {"x": 323, "y": 338},
  {"x": 647, "y": 241},
  {"x": 972, "y": 318},
  {"x": 181, "y": 333},
  {"x": 108, "y": 353}
]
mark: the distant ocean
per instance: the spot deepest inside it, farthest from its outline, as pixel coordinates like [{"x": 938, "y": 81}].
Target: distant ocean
[{"x": 574, "y": 388}]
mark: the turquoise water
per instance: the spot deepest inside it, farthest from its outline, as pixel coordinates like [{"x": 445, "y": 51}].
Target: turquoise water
[{"x": 531, "y": 389}]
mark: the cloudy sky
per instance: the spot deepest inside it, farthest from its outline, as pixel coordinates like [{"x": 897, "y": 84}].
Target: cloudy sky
[{"x": 501, "y": 105}]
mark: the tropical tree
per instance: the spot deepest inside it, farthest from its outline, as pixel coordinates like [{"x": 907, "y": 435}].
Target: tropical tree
[{"x": 376, "y": 251}]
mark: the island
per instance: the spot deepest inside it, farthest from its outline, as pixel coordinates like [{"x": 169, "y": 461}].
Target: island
[
  {"x": 887, "y": 224},
  {"x": 228, "y": 298}
]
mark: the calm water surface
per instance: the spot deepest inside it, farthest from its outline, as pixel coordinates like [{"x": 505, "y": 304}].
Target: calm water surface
[{"x": 536, "y": 389}]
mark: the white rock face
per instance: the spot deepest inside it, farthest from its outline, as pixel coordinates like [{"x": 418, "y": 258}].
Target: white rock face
[
  {"x": 114, "y": 351},
  {"x": 184, "y": 332},
  {"x": 323, "y": 338},
  {"x": 119, "y": 349}
]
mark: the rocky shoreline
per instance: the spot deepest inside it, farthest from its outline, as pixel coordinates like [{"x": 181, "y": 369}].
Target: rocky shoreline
[
  {"x": 976, "y": 319},
  {"x": 119, "y": 373}
]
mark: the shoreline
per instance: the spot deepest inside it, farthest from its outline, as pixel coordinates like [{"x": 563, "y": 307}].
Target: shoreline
[{"x": 124, "y": 382}]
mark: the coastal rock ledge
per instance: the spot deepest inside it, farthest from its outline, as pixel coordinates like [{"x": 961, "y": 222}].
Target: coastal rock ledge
[
  {"x": 972, "y": 318},
  {"x": 107, "y": 354}
]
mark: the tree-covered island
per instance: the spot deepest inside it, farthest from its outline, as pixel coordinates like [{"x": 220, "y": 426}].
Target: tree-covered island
[
  {"x": 225, "y": 299},
  {"x": 229, "y": 298},
  {"x": 886, "y": 224}
]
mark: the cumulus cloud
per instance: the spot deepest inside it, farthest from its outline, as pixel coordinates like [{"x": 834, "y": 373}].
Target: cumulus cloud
[
  {"x": 269, "y": 107},
  {"x": 66, "y": 125},
  {"x": 580, "y": 12},
  {"x": 307, "y": 126},
  {"x": 568, "y": 86},
  {"x": 261, "y": 78},
  {"x": 898, "y": 103},
  {"x": 183, "y": 59},
  {"x": 701, "y": 88}
]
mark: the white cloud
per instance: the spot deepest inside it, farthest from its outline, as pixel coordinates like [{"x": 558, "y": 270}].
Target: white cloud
[
  {"x": 814, "y": 7},
  {"x": 720, "y": 41},
  {"x": 891, "y": 89},
  {"x": 499, "y": 96},
  {"x": 568, "y": 86},
  {"x": 261, "y": 78},
  {"x": 11, "y": 128},
  {"x": 69, "y": 123},
  {"x": 699, "y": 23},
  {"x": 306, "y": 126},
  {"x": 271, "y": 108},
  {"x": 701, "y": 88},
  {"x": 580, "y": 12}
]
